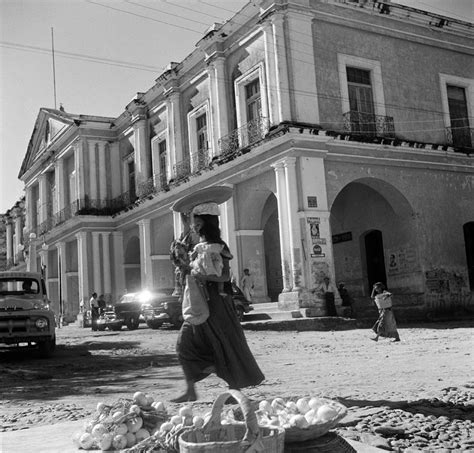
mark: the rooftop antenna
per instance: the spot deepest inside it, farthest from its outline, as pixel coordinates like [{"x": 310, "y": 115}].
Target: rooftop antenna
[{"x": 54, "y": 66}]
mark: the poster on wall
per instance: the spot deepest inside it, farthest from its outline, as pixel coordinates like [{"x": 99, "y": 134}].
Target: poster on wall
[{"x": 316, "y": 238}]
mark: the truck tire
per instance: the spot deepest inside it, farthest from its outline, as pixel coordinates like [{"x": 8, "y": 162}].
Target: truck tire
[
  {"x": 47, "y": 347},
  {"x": 132, "y": 323},
  {"x": 154, "y": 324}
]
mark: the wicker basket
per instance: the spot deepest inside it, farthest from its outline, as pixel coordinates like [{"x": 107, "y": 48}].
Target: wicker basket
[
  {"x": 215, "y": 437},
  {"x": 320, "y": 429}
]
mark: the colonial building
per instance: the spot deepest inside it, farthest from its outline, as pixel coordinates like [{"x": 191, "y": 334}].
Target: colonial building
[{"x": 344, "y": 127}]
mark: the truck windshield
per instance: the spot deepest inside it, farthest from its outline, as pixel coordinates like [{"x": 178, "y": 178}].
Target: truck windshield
[{"x": 19, "y": 286}]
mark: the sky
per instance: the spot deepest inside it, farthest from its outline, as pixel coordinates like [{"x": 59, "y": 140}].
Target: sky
[{"x": 105, "y": 52}]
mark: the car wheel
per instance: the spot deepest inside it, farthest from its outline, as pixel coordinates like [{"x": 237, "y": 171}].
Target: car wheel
[
  {"x": 240, "y": 313},
  {"x": 116, "y": 327},
  {"x": 101, "y": 327},
  {"x": 154, "y": 324},
  {"x": 177, "y": 322},
  {"x": 47, "y": 347},
  {"x": 132, "y": 323}
]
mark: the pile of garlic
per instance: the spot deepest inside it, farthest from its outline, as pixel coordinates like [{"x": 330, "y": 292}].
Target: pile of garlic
[
  {"x": 300, "y": 414},
  {"x": 116, "y": 428}
]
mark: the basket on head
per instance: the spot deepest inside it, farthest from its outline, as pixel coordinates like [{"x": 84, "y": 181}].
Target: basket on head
[{"x": 246, "y": 437}]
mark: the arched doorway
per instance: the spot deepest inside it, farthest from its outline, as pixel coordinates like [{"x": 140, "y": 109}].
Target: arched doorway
[
  {"x": 468, "y": 229},
  {"x": 132, "y": 265},
  {"x": 375, "y": 237},
  {"x": 271, "y": 241},
  {"x": 375, "y": 258}
]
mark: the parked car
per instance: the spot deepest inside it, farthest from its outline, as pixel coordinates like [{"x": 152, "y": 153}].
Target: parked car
[
  {"x": 241, "y": 304},
  {"x": 25, "y": 314},
  {"x": 127, "y": 311},
  {"x": 109, "y": 320},
  {"x": 161, "y": 308}
]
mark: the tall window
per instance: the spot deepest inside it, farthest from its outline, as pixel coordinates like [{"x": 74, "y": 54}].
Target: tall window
[
  {"x": 131, "y": 181},
  {"x": 162, "y": 162},
  {"x": 361, "y": 100},
  {"x": 461, "y": 133},
  {"x": 253, "y": 100},
  {"x": 201, "y": 132}
]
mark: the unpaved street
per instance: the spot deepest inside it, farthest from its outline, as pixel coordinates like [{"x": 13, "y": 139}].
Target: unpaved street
[{"x": 103, "y": 366}]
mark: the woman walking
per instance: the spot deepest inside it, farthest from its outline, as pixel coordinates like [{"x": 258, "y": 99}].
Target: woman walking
[
  {"x": 218, "y": 344},
  {"x": 386, "y": 326}
]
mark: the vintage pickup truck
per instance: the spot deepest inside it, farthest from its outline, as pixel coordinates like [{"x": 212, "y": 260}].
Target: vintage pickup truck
[{"x": 25, "y": 314}]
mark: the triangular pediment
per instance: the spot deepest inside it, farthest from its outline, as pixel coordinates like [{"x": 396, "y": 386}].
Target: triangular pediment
[{"x": 49, "y": 126}]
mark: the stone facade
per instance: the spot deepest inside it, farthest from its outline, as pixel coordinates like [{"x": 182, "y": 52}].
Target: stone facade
[{"x": 339, "y": 129}]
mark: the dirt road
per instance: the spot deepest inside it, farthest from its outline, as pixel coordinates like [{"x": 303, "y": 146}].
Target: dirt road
[{"x": 103, "y": 366}]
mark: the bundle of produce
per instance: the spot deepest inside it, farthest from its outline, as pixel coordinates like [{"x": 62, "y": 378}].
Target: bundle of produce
[
  {"x": 165, "y": 439},
  {"x": 304, "y": 419},
  {"x": 122, "y": 424}
]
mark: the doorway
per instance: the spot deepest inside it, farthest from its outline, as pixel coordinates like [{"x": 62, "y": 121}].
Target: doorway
[
  {"x": 375, "y": 258},
  {"x": 469, "y": 244}
]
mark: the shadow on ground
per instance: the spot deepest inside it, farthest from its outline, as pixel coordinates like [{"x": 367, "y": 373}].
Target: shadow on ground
[{"x": 92, "y": 367}]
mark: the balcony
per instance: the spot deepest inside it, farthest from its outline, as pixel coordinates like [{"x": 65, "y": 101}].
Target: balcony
[
  {"x": 182, "y": 170},
  {"x": 242, "y": 139},
  {"x": 368, "y": 125},
  {"x": 461, "y": 137}
]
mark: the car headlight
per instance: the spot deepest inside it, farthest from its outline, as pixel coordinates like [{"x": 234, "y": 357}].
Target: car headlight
[
  {"x": 41, "y": 323},
  {"x": 165, "y": 305}
]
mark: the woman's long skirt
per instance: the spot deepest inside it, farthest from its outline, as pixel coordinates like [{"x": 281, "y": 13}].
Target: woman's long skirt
[
  {"x": 386, "y": 326},
  {"x": 218, "y": 345}
]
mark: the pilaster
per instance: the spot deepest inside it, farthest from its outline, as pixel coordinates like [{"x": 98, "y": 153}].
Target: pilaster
[
  {"x": 145, "y": 253},
  {"x": 93, "y": 172},
  {"x": 79, "y": 150},
  {"x": 83, "y": 267},
  {"x": 43, "y": 197},
  {"x": 175, "y": 128},
  {"x": 103, "y": 167},
  {"x": 62, "y": 279},
  {"x": 96, "y": 262},
  {"x": 106, "y": 260},
  {"x": 9, "y": 234},
  {"x": 119, "y": 272}
]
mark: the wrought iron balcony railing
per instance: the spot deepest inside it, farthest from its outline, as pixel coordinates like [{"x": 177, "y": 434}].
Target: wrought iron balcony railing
[
  {"x": 145, "y": 188},
  {"x": 460, "y": 137},
  {"x": 182, "y": 170},
  {"x": 368, "y": 125},
  {"x": 246, "y": 136},
  {"x": 200, "y": 160},
  {"x": 67, "y": 213}
]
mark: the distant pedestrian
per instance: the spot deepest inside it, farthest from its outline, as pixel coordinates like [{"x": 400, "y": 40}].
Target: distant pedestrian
[
  {"x": 247, "y": 285},
  {"x": 327, "y": 290},
  {"x": 102, "y": 303},
  {"x": 346, "y": 298},
  {"x": 386, "y": 326},
  {"x": 94, "y": 305}
]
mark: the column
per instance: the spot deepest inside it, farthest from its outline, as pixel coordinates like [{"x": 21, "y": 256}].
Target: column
[
  {"x": 60, "y": 185},
  {"x": 175, "y": 129},
  {"x": 96, "y": 263},
  {"x": 83, "y": 267},
  {"x": 145, "y": 253},
  {"x": 43, "y": 197},
  {"x": 119, "y": 271},
  {"x": 142, "y": 152},
  {"x": 106, "y": 259},
  {"x": 79, "y": 151},
  {"x": 103, "y": 167},
  {"x": 295, "y": 231},
  {"x": 62, "y": 279},
  {"x": 283, "y": 225},
  {"x": 9, "y": 234},
  {"x": 229, "y": 236},
  {"x": 281, "y": 68},
  {"x": 116, "y": 170},
  {"x": 219, "y": 103},
  {"x": 28, "y": 209},
  {"x": 180, "y": 225},
  {"x": 93, "y": 173},
  {"x": 18, "y": 235}
]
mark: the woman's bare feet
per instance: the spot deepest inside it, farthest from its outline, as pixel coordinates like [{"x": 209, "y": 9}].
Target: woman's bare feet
[{"x": 189, "y": 395}]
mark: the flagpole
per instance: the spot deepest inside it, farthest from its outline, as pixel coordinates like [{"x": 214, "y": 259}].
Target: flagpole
[{"x": 54, "y": 66}]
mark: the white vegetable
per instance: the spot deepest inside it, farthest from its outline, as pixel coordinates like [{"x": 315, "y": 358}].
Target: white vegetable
[
  {"x": 106, "y": 442},
  {"x": 326, "y": 413},
  {"x": 167, "y": 426},
  {"x": 198, "y": 421},
  {"x": 315, "y": 403},
  {"x": 86, "y": 441},
  {"x": 100, "y": 407},
  {"x": 302, "y": 405},
  {"x": 134, "y": 424},
  {"x": 176, "y": 419},
  {"x": 140, "y": 398},
  {"x": 159, "y": 406},
  {"x": 117, "y": 416},
  {"x": 98, "y": 431},
  {"x": 185, "y": 411},
  {"x": 142, "y": 434},
  {"x": 299, "y": 421},
  {"x": 134, "y": 408},
  {"x": 119, "y": 442},
  {"x": 131, "y": 439},
  {"x": 265, "y": 406},
  {"x": 121, "y": 429},
  {"x": 292, "y": 407},
  {"x": 278, "y": 404},
  {"x": 149, "y": 400}
]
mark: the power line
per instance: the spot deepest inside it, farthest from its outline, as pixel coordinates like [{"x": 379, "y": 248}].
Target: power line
[
  {"x": 144, "y": 17},
  {"x": 190, "y": 9},
  {"x": 82, "y": 57},
  {"x": 164, "y": 12}
]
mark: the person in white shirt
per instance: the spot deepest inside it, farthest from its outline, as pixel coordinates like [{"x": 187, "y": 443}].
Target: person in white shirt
[
  {"x": 328, "y": 292},
  {"x": 94, "y": 304}
]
